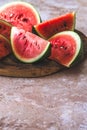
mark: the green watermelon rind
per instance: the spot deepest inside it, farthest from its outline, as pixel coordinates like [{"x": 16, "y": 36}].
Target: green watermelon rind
[
  {"x": 36, "y": 31},
  {"x": 5, "y": 22},
  {"x": 74, "y": 21},
  {"x": 79, "y": 49},
  {"x": 2, "y": 36},
  {"x": 46, "y": 52},
  {"x": 23, "y": 3},
  {"x": 80, "y": 55}
]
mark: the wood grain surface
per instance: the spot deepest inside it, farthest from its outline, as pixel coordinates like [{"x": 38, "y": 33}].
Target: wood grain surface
[{"x": 9, "y": 66}]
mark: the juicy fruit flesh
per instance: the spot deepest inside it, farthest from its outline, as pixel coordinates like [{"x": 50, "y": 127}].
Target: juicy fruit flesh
[
  {"x": 5, "y": 29},
  {"x": 27, "y": 46},
  {"x": 55, "y": 25},
  {"x": 5, "y": 47},
  {"x": 62, "y": 49},
  {"x": 21, "y": 15}
]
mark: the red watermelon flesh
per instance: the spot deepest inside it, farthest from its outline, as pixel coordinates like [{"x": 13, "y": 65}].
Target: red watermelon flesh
[
  {"x": 28, "y": 47},
  {"x": 20, "y": 14},
  {"x": 62, "y": 49},
  {"x": 50, "y": 27},
  {"x": 5, "y": 47},
  {"x": 65, "y": 47}
]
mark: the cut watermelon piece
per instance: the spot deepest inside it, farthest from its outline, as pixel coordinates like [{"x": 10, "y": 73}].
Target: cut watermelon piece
[
  {"x": 28, "y": 47},
  {"x": 5, "y": 28},
  {"x": 67, "y": 48},
  {"x": 20, "y": 14},
  {"x": 5, "y": 47},
  {"x": 50, "y": 27}
]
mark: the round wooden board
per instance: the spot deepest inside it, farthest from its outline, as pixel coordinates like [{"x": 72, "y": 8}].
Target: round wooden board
[{"x": 11, "y": 67}]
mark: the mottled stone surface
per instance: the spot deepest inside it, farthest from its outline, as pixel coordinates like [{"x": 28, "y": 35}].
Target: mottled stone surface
[{"x": 55, "y": 102}]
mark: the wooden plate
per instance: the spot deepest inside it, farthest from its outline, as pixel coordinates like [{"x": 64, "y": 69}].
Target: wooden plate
[{"x": 11, "y": 67}]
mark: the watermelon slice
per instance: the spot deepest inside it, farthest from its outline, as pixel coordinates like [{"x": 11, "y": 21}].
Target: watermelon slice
[
  {"x": 28, "y": 47},
  {"x": 50, "y": 27},
  {"x": 5, "y": 28},
  {"x": 5, "y": 47},
  {"x": 20, "y": 14},
  {"x": 67, "y": 48}
]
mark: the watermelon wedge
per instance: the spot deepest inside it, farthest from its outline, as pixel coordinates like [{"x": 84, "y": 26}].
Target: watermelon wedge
[
  {"x": 67, "y": 48},
  {"x": 20, "y": 14},
  {"x": 28, "y": 47},
  {"x": 50, "y": 27}
]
